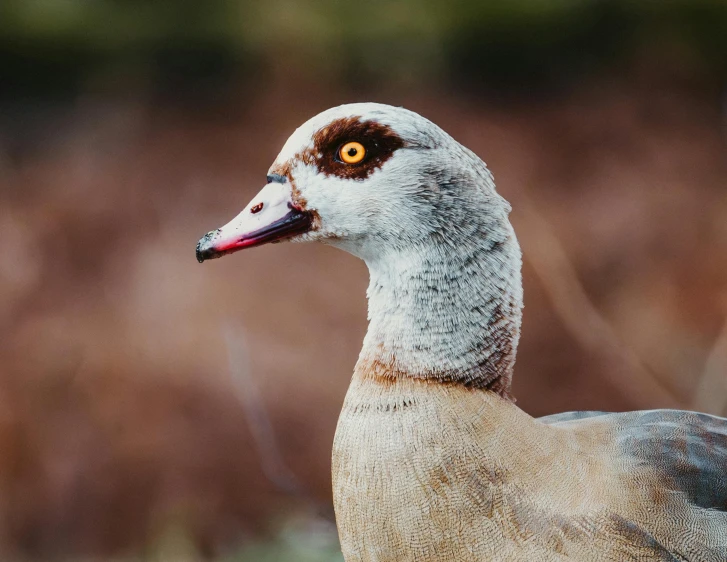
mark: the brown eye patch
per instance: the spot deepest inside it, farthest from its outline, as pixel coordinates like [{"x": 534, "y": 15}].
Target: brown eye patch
[{"x": 380, "y": 143}]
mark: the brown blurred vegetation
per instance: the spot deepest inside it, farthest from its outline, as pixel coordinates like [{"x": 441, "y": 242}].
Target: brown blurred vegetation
[{"x": 122, "y": 419}]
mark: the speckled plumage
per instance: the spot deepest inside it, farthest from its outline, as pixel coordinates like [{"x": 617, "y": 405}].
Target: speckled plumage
[
  {"x": 427, "y": 472},
  {"x": 432, "y": 460}
]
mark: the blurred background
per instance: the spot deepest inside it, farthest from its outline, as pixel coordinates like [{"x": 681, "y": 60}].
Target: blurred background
[{"x": 155, "y": 409}]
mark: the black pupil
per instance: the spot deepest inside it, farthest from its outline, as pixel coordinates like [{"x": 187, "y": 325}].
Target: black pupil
[{"x": 352, "y": 152}]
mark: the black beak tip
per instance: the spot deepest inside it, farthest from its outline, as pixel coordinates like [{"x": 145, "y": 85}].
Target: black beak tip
[{"x": 204, "y": 249}]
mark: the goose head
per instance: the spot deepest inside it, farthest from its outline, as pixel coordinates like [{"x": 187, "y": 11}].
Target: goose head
[
  {"x": 389, "y": 186},
  {"x": 368, "y": 178}
]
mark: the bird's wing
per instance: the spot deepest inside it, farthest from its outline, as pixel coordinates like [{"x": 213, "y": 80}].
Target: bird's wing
[
  {"x": 687, "y": 451},
  {"x": 570, "y": 416}
]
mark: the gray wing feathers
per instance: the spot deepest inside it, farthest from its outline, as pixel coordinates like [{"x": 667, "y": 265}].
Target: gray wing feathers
[
  {"x": 686, "y": 451},
  {"x": 570, "y": 416}
]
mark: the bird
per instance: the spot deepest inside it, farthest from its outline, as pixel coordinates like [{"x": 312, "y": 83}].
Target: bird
[{"x": 432, "y": 459}]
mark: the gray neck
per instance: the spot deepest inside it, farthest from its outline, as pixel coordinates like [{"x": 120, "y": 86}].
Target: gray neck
[{"x": 447, "y": 309}]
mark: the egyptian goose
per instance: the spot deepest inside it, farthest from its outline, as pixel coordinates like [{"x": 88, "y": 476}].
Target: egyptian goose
[{"x": 432, "y": 460}]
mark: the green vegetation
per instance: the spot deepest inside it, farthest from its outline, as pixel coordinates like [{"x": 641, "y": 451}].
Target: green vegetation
[
  {"x": 498, "y": 42},
  {"x": 292, "y": 546}
]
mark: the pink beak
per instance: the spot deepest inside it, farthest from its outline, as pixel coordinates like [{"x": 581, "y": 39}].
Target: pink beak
[{"x": 271, "y": 216}]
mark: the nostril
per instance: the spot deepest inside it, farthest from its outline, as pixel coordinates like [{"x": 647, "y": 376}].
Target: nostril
[{"x": 257, "y": 208}]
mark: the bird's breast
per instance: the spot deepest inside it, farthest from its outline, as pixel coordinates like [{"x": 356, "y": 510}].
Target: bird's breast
[{"x": 424, "y": 472}]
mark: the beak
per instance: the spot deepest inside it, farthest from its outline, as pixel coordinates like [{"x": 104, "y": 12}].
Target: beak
[{"x": 271, "y": 216}]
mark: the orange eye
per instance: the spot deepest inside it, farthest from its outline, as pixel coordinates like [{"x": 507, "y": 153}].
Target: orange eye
[{"x": 352, "y": 152}]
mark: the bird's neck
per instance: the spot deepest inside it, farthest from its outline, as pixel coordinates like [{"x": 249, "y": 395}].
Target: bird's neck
[{"x": 446, "y": 311}]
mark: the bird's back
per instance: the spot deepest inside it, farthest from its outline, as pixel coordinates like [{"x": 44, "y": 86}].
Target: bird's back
[
  {"x": 675, "y": 463},
  {"x": 687, "y": 451}
]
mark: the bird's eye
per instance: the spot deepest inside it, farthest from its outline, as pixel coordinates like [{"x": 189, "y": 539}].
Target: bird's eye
[{"x": 352, "y": 152}]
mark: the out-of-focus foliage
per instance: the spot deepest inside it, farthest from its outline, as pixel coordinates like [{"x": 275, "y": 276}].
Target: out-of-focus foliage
[
  {"x": 495, "y": 43},
  {"x": 293, "y": 545},
  {"x": 299, "y": 539}
]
